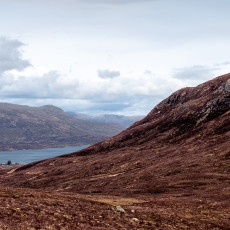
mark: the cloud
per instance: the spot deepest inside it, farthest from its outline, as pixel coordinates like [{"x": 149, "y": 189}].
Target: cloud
[
  {"x": 11, "y": 55},
  {"x": 226, "y": 63},
  {"x": 51, "y": 85},
  {"x": 93, "y": 1},
  {"x": 118, "y": 1},
  {"x": 197, "y": 72},
  {"x": 108, "y": 74},
  {"x": 130, "y": 92},
  {"x": 147, "y": 72},
  {"x": 93, "y": 94},
  {"x": 77, "y": 3}
]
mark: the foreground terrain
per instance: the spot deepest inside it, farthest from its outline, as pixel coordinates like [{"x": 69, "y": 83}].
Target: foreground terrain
[
  {"x": 35, "y": 209},
  {"x": 171, "y": 170}
]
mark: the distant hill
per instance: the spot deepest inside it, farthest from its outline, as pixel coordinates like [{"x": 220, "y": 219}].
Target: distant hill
[
  {"x": 122, "y": 120},
  {"x": 24, "y": 127}
]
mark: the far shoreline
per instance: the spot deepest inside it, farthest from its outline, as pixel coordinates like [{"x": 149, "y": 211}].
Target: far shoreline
[
  {"x": 11, "y": 149},
  {"x": 32, "y": 155}
]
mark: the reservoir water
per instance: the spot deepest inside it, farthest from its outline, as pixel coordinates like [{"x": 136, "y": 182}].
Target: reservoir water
[{"x": 28, "y": 156}]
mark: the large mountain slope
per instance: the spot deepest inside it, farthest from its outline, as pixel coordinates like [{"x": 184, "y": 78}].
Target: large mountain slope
[
  {"x": 181, "y": 147},
  {"x": 24, "y": 127}
]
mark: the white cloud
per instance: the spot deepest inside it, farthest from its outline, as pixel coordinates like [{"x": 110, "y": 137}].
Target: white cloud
[
  {"x": 128, "y": 92},
  {"x": 91, "y": 93},
  {"x": 48, "y": 86}
]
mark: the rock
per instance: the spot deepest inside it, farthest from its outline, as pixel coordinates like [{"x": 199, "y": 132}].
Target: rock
[
  {"x": 227, "y": 86},
  {"x": 120, "y": 209},
  {"x": 135, "y": 220}
]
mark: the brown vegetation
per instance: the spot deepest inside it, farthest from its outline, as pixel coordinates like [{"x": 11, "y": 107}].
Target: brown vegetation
[{"x": 175, "y": 162}]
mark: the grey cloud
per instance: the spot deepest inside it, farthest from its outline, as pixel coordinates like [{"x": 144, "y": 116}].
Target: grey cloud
[
  {"x": 11, "y": 56},
  {"x": 119, "y": 1},
  {"x": 108, "y": 74},
  {"x": 222, "y": 64},
  {"x": 107, "y": 107},
  {"x": 52, "y": 88},
  {"x": 83, "y": 2},
  {"x": 148, "y": 72},
  {"x": 197, "y": 72},
  {"x": 102, "y": 1},
  {"x": 122, "y": 104},
  {"x": 47, "y": 86}
]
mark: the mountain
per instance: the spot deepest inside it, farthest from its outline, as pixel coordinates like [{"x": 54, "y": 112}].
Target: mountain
[
  {"x": 182, "y": 143},
  {"x": 24, "y": 127},
  {"x": 122, "y": 120},
  {"x": 171, "y": 169}
]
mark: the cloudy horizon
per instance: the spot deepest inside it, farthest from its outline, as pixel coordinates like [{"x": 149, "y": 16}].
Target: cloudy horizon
[{"x": 109, "y": 56}]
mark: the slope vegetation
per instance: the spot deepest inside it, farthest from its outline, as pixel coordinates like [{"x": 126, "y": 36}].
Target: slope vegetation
[
  {"x": 183, "y": 143},
  {"x": 176, "y": 162}
]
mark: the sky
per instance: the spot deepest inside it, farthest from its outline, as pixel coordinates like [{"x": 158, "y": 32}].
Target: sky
[{"x": 109, "y": 56}]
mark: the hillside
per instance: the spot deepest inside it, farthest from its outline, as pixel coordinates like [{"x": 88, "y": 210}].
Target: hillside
[
  {"x": 122, "y": 120},
  {"x": 175, "y": 162},
  {"x": 184, "y": 140},
  {"x": 24, "y": 127}
]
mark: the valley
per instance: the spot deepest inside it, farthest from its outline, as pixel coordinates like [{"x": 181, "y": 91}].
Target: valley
[{"x": 170, "y": 170}]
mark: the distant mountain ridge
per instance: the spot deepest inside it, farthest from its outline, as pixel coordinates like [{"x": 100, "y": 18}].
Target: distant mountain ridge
[
  {"x": 122, "y": 120},
  {"x": 24, "y": 127}
]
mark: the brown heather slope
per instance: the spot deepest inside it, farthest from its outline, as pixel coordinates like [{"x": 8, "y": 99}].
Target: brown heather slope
[
  {"x": 183, "y": 144},
  {"x": 24, "y": 127},
  {"x": 176, "y": 162},
  {"x": 22, "y": 209}
]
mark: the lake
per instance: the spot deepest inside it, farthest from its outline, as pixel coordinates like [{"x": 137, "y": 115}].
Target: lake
[{"x": 28, "y": 156}]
